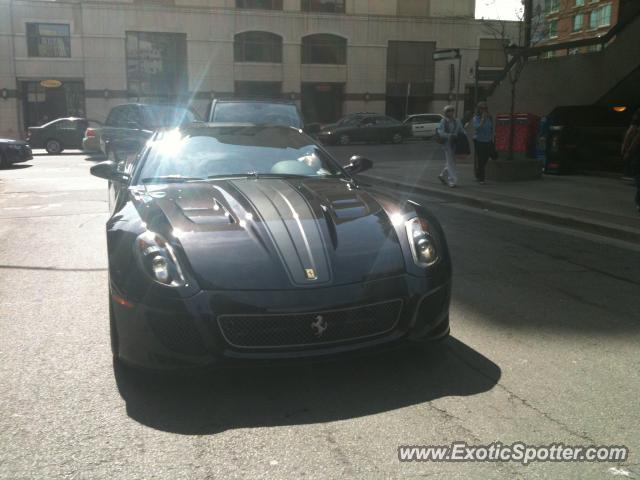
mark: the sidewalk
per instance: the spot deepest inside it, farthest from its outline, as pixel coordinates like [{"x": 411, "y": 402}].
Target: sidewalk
[{"x": 602, "y": 206}]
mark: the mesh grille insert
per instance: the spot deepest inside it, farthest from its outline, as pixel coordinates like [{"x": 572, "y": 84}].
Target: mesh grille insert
[{"x": 310, "y": 329}]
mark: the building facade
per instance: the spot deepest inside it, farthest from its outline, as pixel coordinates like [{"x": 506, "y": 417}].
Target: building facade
[
  {"x": 73, "y": 57},
  {"x": 559, "y": 21}
]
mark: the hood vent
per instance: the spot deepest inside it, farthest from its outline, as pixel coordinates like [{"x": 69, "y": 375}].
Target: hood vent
[
  {"x": 349, "y": 207},
  {"x": 217, "y": 215}
]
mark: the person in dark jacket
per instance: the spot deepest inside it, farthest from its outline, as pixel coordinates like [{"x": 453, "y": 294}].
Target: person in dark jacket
[
  {"x": 631, "y": 152},
  {"x": 482, "y": 138}
]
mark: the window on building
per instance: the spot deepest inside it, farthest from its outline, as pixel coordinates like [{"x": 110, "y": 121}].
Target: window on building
[
  {"x": 325, "y": 49},
  {"x": 492, "y": 53},
  {"x": 410, "y": 62},
  {"x": 605, "y": 16},
  {"x": 551, "y": 6},
  {"x": 156, "y": 63},
  {"x": 410, "y": 77},
  {"x": 48, "y": 40},
  {"x": 258, "y": 47},
  {"x": 413, "y": 8},
  {"x": 578, "y": 22},
  {"x": 260, "y": 4},
  {"x": 331, "y": 6},
  {"x": 553, "y": 29},
  {"x": 600, "y": 17}
]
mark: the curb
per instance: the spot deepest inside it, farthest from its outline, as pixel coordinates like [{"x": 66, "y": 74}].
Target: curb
[{"x": 558, "y": 219}]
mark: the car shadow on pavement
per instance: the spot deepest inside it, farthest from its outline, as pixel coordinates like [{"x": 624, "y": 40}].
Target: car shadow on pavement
[
  {"x": 225, "y": 399},
  {"x": 19, "y": 166},
  {"x": 65, "y": 153},
  {"x": 95, "y": 157}
]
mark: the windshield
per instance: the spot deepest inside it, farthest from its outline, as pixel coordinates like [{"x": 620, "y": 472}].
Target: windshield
[
  {"x": 169, "y": 116},
  {"x": 218, "y": 152},
  {"x": 258, "y": 113}
]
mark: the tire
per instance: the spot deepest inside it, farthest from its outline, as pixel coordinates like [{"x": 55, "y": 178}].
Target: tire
[
  {"x": 53, "y": 147},
  {"x": 344, "y": 140},
  {"x": 397, "y": 138}
]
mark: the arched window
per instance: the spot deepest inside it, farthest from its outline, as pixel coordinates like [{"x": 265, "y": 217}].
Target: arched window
[
  {"x": 331, "y": 6},
  {"x": 324, "y": 48},
  {"x": 260, "y": 4},
  {"x": 258, "y": 47}
]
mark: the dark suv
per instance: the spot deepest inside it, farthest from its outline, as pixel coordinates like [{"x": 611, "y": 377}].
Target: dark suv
[{"x": 129, "y": 126}]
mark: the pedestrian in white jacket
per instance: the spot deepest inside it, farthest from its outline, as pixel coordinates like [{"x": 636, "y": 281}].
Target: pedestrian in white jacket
[{"x": 448, "y": 131}]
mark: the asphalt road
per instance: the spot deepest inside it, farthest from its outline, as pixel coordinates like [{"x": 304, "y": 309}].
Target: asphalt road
[{"x": 544, "y": 349}]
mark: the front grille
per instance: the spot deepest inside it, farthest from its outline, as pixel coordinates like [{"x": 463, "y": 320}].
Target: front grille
[{"x": 310, "y": 329}]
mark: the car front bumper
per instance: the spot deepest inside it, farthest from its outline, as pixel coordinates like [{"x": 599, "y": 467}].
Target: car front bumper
[
  {"x": 21, "y": 154},
  {"x": 172, "y": 333}
]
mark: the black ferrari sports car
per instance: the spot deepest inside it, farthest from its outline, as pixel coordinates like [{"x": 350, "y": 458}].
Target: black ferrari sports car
[
  {"x": 238, "y": 241},
  {"x": 13, "y": 151}
]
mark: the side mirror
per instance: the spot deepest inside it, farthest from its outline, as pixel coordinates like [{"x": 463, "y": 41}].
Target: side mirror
[
  {"x": 358, "y": 164},
  {"x": 109, "y": 171}
]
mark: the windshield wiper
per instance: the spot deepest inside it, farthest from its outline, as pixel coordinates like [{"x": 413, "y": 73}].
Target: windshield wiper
[
  {"x": 280, "y": 175},
  {"x": 233, "y": 175},
  {"x": 257, "y": 175},
  {"x": 172, "y": 179}
]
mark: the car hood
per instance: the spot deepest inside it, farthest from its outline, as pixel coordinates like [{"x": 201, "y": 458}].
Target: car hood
[
  {"x": 9, "y": 141},
  {"x": 269, "y": 234}
]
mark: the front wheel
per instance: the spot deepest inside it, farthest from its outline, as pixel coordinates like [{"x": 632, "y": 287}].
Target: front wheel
[
  {"x": 397, "y": 138},
  {"x": 53, "y": 147},
  {"x": 344, "y": 140}
]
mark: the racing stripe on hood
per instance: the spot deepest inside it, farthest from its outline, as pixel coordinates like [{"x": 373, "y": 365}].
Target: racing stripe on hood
[{"x": 292, "y": 227}]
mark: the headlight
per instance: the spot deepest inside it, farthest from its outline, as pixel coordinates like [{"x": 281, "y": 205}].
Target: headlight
[
  {"x": 158, "y": 260},
  {"x": 423, "y": 246}
]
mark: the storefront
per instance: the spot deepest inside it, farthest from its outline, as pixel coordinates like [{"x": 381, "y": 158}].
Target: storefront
[{"x": 48, "y": 99}]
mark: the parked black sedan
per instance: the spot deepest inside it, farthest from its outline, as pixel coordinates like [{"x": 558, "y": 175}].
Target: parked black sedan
[
  {"x": 365, "y": 128},
  {"x": 58, "y": 135},
  {"x": 236, "y": 241},
  {"x": 13, "y": 151}
]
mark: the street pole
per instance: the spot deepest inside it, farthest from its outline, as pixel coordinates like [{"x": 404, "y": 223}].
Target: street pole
[
  {"x": 459, "y": 82},
  {"x": 476, "y": 83},
  {"x": 406, "y": 104},
  {"x": 528, "y": 22}
]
